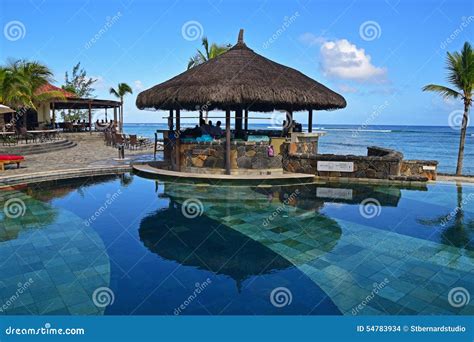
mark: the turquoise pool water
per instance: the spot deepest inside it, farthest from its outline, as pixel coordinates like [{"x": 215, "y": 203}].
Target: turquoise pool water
[{"x": 127, "y": 245}]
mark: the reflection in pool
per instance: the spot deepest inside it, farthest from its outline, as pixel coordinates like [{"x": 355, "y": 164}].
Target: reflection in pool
[{"x": 173, "y": 248}]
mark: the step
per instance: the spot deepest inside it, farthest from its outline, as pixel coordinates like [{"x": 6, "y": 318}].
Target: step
[{"x": 38, "y": 148}]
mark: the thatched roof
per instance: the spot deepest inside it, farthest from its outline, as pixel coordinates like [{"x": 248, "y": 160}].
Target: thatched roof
[{"x": 240, "y": 79}]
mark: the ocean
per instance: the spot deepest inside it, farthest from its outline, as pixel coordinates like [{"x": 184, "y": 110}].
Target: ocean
[{"x": 415, "y": 142}]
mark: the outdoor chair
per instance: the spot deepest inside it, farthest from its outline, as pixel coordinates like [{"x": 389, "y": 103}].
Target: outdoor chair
[
  {"x": 119, "y": 140},
  {"x": 133, "y": 142},
  {"x": 68, "y": 127},
  {"x": 23, "y": 134}
]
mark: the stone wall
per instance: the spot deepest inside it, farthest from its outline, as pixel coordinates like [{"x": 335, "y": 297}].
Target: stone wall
[
  {"x": 419, "y": 168},
  {"x": 380, "y": 163},
  {"x": 244, "y": 156}
]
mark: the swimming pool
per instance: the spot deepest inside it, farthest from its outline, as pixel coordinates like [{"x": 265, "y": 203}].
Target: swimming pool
[{"x": 127, "y": 245}]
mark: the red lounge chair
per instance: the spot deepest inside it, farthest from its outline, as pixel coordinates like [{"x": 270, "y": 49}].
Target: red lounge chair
[{"x": 10, "y": 159}]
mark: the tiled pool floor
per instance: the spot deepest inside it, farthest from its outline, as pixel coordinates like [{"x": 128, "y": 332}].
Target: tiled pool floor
[{"x": 400, "y": 260}]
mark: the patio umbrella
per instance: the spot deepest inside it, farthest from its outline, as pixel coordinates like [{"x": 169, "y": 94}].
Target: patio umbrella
[{"x": 4, "y": 109}]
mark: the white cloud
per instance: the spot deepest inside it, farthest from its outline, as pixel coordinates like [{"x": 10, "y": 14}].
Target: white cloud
[
  {"x": 138, "y": 86},
  {"x": 342, "y": 59}
]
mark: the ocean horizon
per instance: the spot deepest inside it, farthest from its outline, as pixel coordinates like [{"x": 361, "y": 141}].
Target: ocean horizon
[{"x": 415, "y": 142}]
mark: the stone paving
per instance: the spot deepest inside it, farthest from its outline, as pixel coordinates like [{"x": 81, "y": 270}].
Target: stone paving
[{"x": 90, "y": 151}]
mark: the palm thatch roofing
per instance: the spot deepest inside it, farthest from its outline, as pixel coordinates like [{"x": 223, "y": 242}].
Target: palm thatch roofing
[{"x": 240, "y": 79}]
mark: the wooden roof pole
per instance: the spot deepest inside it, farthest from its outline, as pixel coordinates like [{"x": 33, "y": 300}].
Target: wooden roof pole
[
  {"x": 178, "y": 141},
  {"x": 90, "y": 118},
  {"x": 310, "y": 120},
  {"x": 246, "y": 120},
  {"x": 227, "y": 142}
]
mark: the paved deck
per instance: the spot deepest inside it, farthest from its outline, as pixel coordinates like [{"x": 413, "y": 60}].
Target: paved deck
[
  {"x": 90, "y": 154},
  {"x": 154, "y": 171}
]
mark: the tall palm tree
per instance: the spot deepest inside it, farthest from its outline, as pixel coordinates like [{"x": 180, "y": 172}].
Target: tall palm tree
[
  {"x": 460, "y": 67},
  {"x": 209, "y": 52},
  {"x": 122, "y": 90}
]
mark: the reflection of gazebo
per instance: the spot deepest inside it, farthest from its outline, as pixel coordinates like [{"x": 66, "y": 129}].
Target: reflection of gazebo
[
  {"x": 71, "y": 101},
  {"x": 239, "y": 80}
]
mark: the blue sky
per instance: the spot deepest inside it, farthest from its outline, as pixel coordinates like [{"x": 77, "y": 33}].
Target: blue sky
[{"x": 377, "y": 54}]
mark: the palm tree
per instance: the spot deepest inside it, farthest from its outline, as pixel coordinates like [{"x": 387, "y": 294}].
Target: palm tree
[
  {"x": 209, "y": 53},
  {"x": 461, "y": 75},
  {"x": 19, "y": 84},
  {"x": 122, "y": 90}
]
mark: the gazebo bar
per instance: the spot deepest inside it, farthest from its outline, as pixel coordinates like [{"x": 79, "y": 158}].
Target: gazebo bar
[{"x": 239, "y": 83}]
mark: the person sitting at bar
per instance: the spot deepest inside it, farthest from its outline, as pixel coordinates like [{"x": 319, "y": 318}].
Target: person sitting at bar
[
  {"x": 204, "y": 127},
  {"x": 216, "y": 131}
]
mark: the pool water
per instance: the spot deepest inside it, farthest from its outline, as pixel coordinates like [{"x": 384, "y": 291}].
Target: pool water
[{"x": 120, "y": 245}]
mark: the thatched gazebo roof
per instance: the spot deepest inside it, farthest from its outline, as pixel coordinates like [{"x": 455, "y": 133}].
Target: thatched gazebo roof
[{"x": 240, "y": 79}]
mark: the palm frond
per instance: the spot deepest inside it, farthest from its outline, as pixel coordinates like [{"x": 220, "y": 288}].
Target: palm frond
[{"x": 444, "y": 91}]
